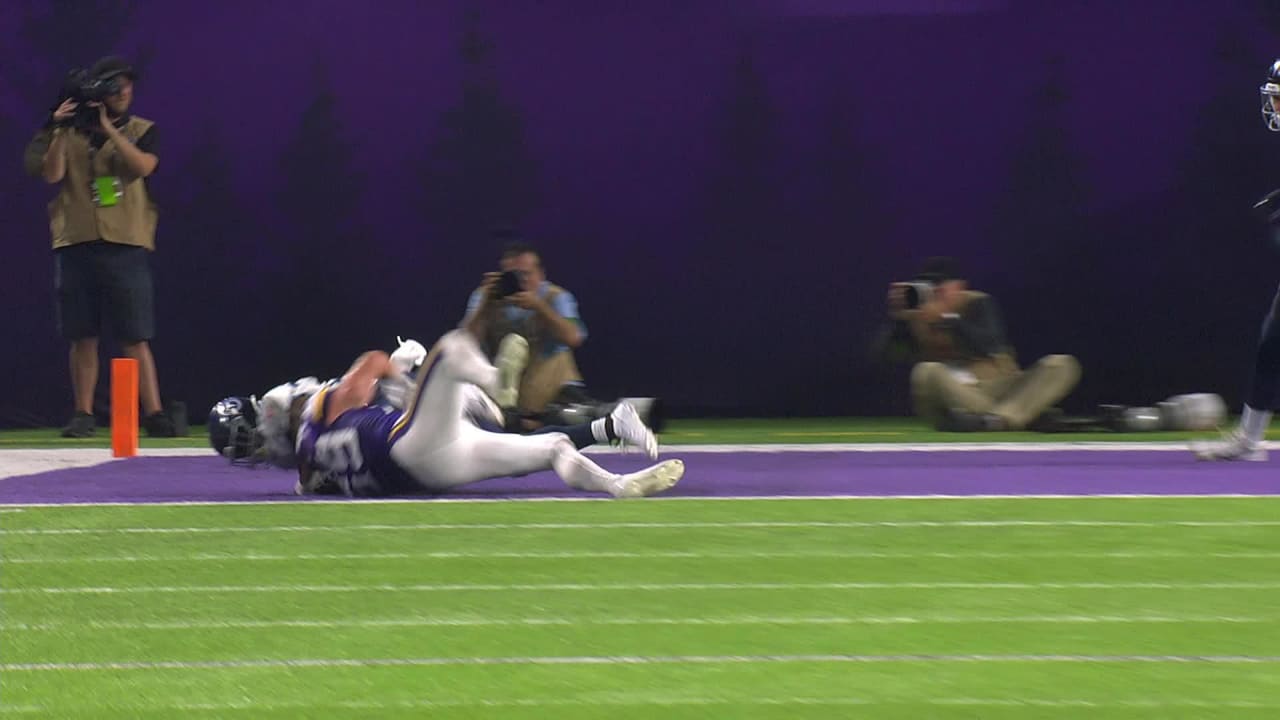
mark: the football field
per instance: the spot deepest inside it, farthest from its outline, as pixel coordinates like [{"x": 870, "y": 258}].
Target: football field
[{"x": 808, "y": 581}]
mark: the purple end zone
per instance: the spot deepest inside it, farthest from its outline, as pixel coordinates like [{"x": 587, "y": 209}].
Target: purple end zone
[{"x": 797, "y": 474}]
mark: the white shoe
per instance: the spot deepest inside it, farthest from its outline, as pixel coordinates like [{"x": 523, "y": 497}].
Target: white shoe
[
  {"x": 650, "y": 481},
  {"x": 631, "y": 430},
  {"x": 512, "y": 358},
  {"x": 1233, "y": 446}
]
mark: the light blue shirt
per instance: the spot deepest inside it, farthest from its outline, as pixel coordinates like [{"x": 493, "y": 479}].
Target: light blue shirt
[{"x": 565, "y": 305}]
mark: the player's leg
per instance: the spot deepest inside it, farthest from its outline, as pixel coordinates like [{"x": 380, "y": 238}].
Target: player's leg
[
  {"x": 481, "y": 455},
  {"x": 434, "y": 417},
  {"x": 622, "y": 425},
  {"x": 511, "y": 360},
  {"x": 1245, "y": 441}
]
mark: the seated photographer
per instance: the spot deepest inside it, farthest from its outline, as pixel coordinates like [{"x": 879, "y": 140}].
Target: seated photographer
[
  {"x": 530, "y": 336},
  {"x": 966, "y": 377}
]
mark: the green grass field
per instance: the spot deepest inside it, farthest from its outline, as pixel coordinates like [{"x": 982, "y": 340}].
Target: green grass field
[{"x": 1020, "y": 608}]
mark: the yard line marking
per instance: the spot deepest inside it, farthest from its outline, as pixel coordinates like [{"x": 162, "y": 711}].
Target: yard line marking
[
  {"x": 423, "y": 621},
  {"x": 628, "y": 660},
  {"x": 605, "y": 587},
  {"x": 647, "y": 526},
  {"x": 625, "y": 555},
  {"x": 425, "y": 704}
]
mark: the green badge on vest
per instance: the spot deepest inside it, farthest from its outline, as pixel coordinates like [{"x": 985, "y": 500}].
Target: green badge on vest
[{"x": 106, "y": 191}]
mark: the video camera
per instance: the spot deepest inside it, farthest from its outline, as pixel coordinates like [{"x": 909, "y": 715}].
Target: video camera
[{"x": 83, "y": 87}]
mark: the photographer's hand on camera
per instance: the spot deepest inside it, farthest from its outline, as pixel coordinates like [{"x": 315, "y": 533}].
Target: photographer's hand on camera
[
  {"x": 53, "y": 164},
  {"x": 140, "y": 164},
  {"x": 65, "y": 112},
  {"x": 529, "y": 301}
]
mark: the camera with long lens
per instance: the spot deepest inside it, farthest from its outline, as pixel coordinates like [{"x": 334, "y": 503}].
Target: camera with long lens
[
  {"x": 82, "y": 88},
  {"x": 916, "y": 293}
]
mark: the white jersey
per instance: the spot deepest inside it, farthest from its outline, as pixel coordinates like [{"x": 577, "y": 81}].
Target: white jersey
[{"x": 273, "y": 419}]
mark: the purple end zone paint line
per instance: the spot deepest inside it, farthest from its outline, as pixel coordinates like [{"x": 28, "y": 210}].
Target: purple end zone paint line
[{"x": 795, "y": 474}]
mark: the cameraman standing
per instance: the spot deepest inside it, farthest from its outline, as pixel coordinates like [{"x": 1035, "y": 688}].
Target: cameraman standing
[
  {"x": 103, "y": 225},
  {"x": 966, "y": 377}
]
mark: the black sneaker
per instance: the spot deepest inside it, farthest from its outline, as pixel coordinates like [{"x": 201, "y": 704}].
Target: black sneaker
[
  {"x": 177, "y": 411},
  {"x": 81, "y": 426},
  {"x": 158, "y": 424}
]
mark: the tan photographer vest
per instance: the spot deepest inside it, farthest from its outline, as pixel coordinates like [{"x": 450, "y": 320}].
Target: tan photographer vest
[
  {"x": 73, "y": 217},
  {"x": 936, "y": 345}
]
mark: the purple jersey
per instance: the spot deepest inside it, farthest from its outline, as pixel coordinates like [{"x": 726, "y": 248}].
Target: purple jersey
[{"x": 356, "y": 447}]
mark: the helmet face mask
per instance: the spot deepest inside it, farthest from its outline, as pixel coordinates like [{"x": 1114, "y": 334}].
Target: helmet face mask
[
  {"x": 233, "y": 430},
  {"x": 1270, "y": 90}
]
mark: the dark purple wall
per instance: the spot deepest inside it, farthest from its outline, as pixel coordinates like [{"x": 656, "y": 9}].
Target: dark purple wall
[{"x": 726, "y": 185}]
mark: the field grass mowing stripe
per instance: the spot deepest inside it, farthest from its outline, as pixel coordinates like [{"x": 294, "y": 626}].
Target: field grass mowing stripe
[
  {"x": 728, "y": 621},
  {"x": 625, "y": 555},
  {"x": 648, "y": 526},
  {"x": 657, "y": 587},
  {"x": 783, "y": 701},
  {"x": 632, "y": 660}
]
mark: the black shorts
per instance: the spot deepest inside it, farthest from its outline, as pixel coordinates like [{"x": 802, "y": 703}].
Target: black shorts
[{"x": 102, "y": 285}]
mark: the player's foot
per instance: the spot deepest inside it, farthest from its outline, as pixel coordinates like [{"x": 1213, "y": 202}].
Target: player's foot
[
  {"x": 631, "y": 430},
  {"x": 650, "y": 481},
  {"x": 1233, "y": 446},
  {"x": 81, "y": 426},
  {"x": 511, "y": 360}
]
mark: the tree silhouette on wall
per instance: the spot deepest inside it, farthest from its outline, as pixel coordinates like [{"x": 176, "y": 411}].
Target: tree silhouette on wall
[{"x": 478, "y": 173}]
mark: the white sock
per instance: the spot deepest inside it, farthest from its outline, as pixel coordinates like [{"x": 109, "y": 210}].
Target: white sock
[
  {"x": 1254, "y": 424},
  {"x": 580, "y": 473},
  {"x": 599, "y": 430}
]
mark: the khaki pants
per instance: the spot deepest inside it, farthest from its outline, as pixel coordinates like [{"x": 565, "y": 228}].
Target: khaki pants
[{"x": 1018, "y": 397}]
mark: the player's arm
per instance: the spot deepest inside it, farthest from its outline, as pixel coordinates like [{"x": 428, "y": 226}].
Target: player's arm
[{"x": 357, "y": 386}]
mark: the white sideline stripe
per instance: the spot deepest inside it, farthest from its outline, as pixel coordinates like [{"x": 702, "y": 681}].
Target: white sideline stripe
[
  {"x": 292, "y": 502},
  {"x": 606, "y": 587},
  {"x": 424, "y": 704},
  {"x": 25, "y": 461},
  {"x": 647, "y": 525},
  {"x": 630, "y": 660},
  {"x": 729, "y": 621},
  {"x": 624, "y": 555}
]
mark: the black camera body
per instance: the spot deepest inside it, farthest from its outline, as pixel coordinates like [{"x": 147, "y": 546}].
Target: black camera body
[
  {"x": 83, "y": 88},
  {"x": 510, "y": 283},
  {"x": 917, "y": 293}
]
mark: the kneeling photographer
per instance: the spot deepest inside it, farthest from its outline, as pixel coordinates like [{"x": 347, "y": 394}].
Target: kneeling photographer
[
  {"x": 530, "y": 334},
  {"x": 103, "y": 223},
  {"x": 966, "y": 376}
]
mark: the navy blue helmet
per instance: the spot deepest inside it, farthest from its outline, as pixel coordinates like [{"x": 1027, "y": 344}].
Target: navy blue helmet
[
  {"x": 1271, "y": 89},
  {"x": 233, "y": 429}
]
